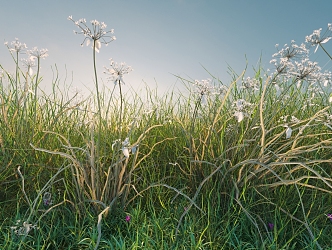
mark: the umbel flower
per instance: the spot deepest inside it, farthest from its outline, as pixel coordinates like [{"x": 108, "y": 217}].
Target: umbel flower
[
  {"x": 292, "y": 51},
  {"x": 117, "y": 71},
  {"x": 315, "y": 39},
  {"x": 16, "y": 46},
  {"x": 97, "y": 34},
  {"x": 29, "y": 63},
  {"x": 242, "y": 108},
  {"x": 38, "y": 53}
]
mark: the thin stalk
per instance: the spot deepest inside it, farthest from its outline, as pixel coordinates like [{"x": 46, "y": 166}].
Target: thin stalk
[
  {"x": 36, "y": 89},
  {"x": 96, "y": 78},
  {"x": 327, "y": 53},
  {"x": 97, "y": 93},
  {"x": 191, "y": 147},
  {"x": 16, "y": 77},
  {"x": 121, "y": 101}
]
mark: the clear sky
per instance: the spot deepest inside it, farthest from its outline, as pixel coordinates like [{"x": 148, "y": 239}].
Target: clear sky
[{"x": 161, "y": 38}]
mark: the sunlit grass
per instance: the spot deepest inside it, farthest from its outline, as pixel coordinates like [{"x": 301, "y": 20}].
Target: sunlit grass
[{"x": 246, "y": 165}]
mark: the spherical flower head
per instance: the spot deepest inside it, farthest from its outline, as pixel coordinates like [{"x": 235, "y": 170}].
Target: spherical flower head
[
  {"x": 95, "y": 35},
  {"x": 116, "y": 71},
  {"x": 16, "y": 46},
  {"x": 35, "y": 53},
  {"x": 128, "y": 218}
]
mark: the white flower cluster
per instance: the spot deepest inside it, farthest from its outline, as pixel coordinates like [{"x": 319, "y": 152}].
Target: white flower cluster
[
  {"x": 117, "y": 70},
  {"x": 242, "y": 108},
  {"x": 292, "y": 62},
  {"x": 24, "y": 229},
  {"x": 18, "y": 47},
  {"x": 36, "y": 53},
  {"x": 29, "y": 63},
  {"x": 315, "y": 39},
  {"x": 251, "y": 84},
  {"x": 97, "y": 35}
]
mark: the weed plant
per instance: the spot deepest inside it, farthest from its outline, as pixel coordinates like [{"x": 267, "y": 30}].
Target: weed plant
[{"x": 245, "y": 165}]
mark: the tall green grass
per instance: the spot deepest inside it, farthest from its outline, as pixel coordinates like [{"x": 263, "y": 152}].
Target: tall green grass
[{"x": 227, "y": 167}]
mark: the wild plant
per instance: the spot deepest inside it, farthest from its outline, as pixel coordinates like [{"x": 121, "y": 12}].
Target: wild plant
[
  {"x": 38, "y": 208},
  {"x": 239, "y": 148},
  {"x": 15, "y": 49},
  {"x": 283, "y": 146},
  {"x": 101, "y": 175}
]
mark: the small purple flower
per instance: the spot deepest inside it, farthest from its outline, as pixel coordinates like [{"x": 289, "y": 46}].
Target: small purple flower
[
  {"x": 47, "y": 199},
  {"x": 329, "y": 216},
  {"x": 128, "y": 218},
  {"x": 47, "y": 203},
  {"x": 270, "y": 226}
]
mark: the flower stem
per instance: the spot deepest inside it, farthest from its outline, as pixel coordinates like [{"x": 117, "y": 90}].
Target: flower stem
[
  {"x": 16, "y": 78},
  {"x": 97, "y": 93},
  {"x": 121, "y": 100},
  {"x": 325, "y": 51},
  {"x": 36, "y": 88}
]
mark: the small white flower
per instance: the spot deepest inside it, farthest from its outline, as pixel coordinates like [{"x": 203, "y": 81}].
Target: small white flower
[
  {"x": 288, "y": 132},
  {"x": 125, "y": 146},
  {"x": 16, "y": 46},
  {"x": 125, "y": 149},
  {"x": 315, "y": 38},
  {"x": 125, "y": 152},
  {"x": 242, "y": 109},
  {"x": 117, "y": 71},
  {"x": 239, "y": 116}
]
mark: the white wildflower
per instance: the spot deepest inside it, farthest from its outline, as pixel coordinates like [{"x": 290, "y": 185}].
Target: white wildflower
[
  {"x": 16, "y": 46},
  {"x": 97, "y": 35},
  {"x": 29, "y": 63},
  {"x": 117, "y": 71},
  {"x": 315, "y": 39},
  {"x": 36, "y": 53}
]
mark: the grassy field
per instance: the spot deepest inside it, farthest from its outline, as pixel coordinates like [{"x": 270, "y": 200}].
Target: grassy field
[{"x": 246, "y": 165}]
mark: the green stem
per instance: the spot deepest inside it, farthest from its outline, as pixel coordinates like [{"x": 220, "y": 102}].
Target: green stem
[
  {"x": 96, "y": 78},
  {"x": 16, "y": 78},
  {"x": 325, "y": 51},
  {"x": 120, "y": 120},
  {"x": 36, "y": 89},
  {"x": 98, "y": 99},
  {"x": 191, "y": 150}
]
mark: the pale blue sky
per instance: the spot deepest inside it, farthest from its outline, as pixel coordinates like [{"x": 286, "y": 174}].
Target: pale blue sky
[{"x": 162, "y": 38}]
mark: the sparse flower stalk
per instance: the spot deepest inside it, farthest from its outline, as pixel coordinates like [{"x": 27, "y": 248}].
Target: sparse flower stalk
[
  {"x": 97, "y": 35},
  {"x": 35, "y": 53},
  {"x": 116, "y": 72},
  {"x": 16, "y": 48}
]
